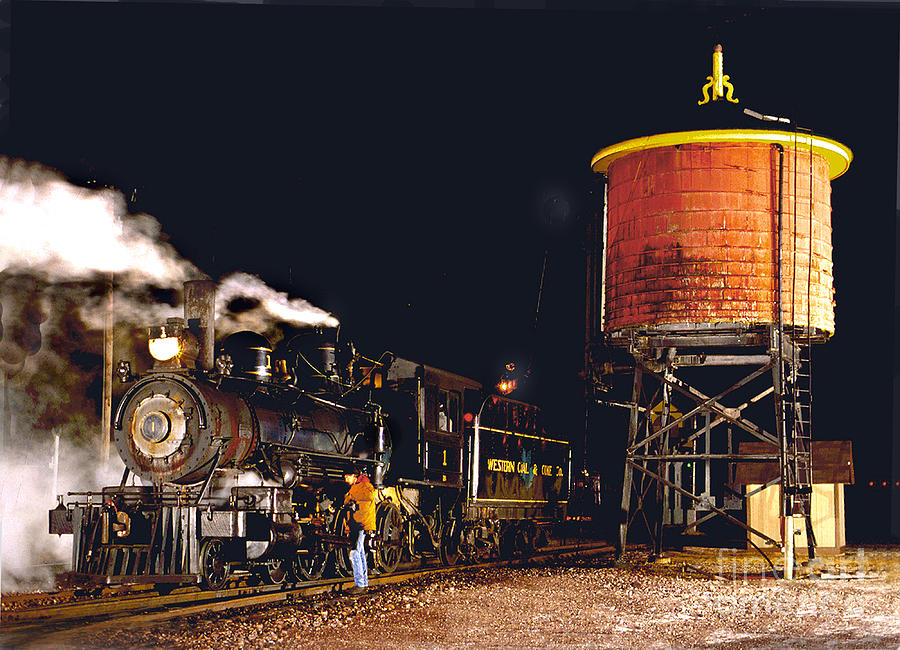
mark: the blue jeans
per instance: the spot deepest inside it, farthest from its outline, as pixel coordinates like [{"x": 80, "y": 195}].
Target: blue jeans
[{"x": 358, "y": 560}]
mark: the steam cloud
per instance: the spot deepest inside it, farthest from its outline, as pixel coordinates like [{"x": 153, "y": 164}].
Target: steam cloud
[
  {"x": 31, "y": 480},
  {"x": 61, "y": 245},
  {"x": 61, "y": 232},
  {"x": 267, "y": 304},
  {"x": 58, "y": 232}
]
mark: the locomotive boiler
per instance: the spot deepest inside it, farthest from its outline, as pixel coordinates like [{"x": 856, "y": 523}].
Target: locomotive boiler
[{"x": 240, "y": 451}]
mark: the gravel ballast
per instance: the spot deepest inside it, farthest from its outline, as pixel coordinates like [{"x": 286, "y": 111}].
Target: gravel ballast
[{"x": 697, "y": 598}]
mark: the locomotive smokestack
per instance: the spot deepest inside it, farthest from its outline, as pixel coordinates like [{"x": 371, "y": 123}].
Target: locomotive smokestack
[{"x": 200, "y": 314}]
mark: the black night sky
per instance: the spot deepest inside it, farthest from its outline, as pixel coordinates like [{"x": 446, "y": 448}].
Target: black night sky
[{"x": 406, "y": 168}]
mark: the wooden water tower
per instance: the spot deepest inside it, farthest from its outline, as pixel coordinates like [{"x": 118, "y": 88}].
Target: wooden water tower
[{"x": 711, "y": 266}]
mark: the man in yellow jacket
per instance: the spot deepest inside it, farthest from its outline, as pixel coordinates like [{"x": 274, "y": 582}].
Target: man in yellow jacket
[{"x": 362, "y": 493}]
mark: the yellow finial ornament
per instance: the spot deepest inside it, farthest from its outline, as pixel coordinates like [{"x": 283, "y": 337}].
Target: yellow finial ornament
[{"x": 718, "y": 81}]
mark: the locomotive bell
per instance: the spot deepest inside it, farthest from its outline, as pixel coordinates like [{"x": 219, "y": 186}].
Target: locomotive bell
[
  {"x": 250, "y": 354},
  {"x": 314, "y": 357}
]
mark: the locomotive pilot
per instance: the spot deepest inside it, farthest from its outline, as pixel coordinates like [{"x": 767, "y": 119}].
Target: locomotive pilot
[{"x": 362, "y": 521}]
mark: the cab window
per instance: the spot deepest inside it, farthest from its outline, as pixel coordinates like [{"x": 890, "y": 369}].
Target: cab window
[{"x": 448, "y": 403}]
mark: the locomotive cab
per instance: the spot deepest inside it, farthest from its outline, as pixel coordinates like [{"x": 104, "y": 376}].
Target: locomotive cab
[{"x": 427, "y": 407}]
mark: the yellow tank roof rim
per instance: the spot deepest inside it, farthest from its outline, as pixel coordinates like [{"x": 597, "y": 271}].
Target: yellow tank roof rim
[{"x": 838, "y": 155}]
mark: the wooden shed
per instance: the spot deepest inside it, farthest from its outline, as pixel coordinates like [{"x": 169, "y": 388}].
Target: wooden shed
[{"x": 832, "y": 463}]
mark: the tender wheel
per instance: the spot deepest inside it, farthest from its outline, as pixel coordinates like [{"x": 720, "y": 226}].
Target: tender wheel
[
  {"x": 524, "y": 543},
  {"x": 214, "y": 570},
  {"x": 450, "y": 542},
  {"x": 494, "y": 548},
  {"x": 389, "y": 536},
  {"x": 275, "y": 571},
  {"x": 468, "y": 547},
  {"x": 507, "y": 543}
]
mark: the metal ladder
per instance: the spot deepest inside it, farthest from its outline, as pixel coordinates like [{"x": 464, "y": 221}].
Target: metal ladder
[
  {"x": 797, "y": 426},
  {"x": 799, "y": 432}
]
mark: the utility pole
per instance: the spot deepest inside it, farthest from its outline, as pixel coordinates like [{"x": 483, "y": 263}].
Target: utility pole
[{"x": 106, "y": 411}]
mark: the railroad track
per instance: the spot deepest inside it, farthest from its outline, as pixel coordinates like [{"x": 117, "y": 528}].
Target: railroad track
[{"x": 39, "y": 624}]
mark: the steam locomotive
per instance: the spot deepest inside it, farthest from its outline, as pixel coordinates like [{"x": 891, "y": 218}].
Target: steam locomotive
[{"x": 240, "y": 451}]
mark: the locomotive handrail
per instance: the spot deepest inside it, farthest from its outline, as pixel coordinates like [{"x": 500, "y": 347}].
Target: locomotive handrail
[
  {"x": 95, "y": 500},
  {"x": 327, "y": 402},
  {"x": 214, "y": 466},
  {"x": 323, "y": 454},
  {"x": 409, "y": 481},
  {"x": 201, "y": 417}
]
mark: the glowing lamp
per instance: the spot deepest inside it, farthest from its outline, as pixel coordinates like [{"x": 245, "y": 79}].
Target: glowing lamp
[
  {"x": 165, "y": 348},
  {"x": 172, "y": 345},
  {"x": 506, "y": 386},
  {"x": 509, "y": 380},
  {"x": 468, "y": 417}
]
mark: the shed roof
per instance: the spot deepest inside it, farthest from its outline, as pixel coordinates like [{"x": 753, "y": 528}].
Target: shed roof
[{"x": 832, "y": 462}]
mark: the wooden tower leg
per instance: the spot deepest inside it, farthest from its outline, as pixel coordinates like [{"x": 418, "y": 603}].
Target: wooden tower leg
[{"x": 629, "y": 473}]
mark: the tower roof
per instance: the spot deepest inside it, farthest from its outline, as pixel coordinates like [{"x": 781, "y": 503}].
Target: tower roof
[{"x": 838, "y": 155}]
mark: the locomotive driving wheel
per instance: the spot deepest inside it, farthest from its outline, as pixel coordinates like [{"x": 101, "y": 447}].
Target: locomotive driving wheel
[
  {"x": 308, "y": 565},
  {"x": 342, "y": 565},
  {"x": 389, "y": 533},
  {"x": 275, "y": 571},
  {"x": 450, "y": 542},
  {"x": 214, "y": 570}
]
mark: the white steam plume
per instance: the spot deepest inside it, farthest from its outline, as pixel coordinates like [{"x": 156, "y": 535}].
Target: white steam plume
[
  {"x": 61, "y": 232},
  {"x": 265, "y": 304}
]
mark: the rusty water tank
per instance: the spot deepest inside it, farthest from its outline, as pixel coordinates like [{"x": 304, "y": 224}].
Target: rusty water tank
[{"x": 692, "y": 229}]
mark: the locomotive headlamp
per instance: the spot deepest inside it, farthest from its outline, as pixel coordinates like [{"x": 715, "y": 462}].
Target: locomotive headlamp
[
  {"x": 173, "y": 345},
  {"x": 165, "y": 348},
  {"x": 165, "y": 340}
]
